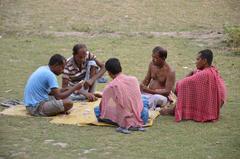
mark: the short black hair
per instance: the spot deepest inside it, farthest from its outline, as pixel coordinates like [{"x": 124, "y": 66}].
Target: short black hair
[
  {"x": 56, "y": 59},
  {"x": 113, "y": 66},
  {"x": 78, "y": 47},
  {"x": 161, "y": 52},
  {"x": 206, "y": 54}
]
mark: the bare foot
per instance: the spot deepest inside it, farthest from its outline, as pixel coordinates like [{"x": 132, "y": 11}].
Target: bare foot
[
  {"x": 167, "y": 111},
  {"x": 98, "y": 95}
]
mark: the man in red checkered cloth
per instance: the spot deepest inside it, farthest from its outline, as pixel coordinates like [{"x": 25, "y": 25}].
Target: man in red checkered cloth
[{"x": 202, "y": 93}]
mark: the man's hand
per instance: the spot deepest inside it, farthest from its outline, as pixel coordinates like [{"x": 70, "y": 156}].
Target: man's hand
[
  {"x": 79, "y": 85},
  {"x": 65, "y": 89},
  {"x": 98, "y": 95},
  {"x": 91, "y": 97},
  {"x": 142, "y": 87},
  {"x": 88, "y": 83}
]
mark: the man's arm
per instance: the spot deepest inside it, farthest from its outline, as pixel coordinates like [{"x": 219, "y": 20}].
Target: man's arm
[
  {"x": 147, "y": 78},
  {"x": 65, "y": 77},
  {"x": 95, "y": 76},
  {"x": 62, "y": 94},
  {"x": 65, "y": 82},
  {"x": 101, "y": 71},
  {"x": 65, "y": 88}
]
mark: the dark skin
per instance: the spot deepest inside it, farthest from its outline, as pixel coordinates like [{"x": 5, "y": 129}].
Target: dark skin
[
  {"x": 79, "y": 59},
  {"x": 201, "y": 64},
  {"x": 160, "y": 77},
  {"x": 63, "y": 93}
]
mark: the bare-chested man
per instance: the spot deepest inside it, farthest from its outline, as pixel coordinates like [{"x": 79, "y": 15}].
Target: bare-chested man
[{"x": 159, "y": 81}]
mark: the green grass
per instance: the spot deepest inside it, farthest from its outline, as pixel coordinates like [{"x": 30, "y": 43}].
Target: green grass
[
  {"x": 110, "y": 15},
  {"x": 166, "y": 139},
  {"x": 23, "y": 48}
]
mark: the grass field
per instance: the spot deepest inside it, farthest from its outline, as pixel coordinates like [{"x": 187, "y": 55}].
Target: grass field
[{"x": 31, "y": 31}]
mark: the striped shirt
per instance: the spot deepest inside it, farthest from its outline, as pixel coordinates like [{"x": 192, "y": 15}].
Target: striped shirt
[{"x": 73, "y": 73}]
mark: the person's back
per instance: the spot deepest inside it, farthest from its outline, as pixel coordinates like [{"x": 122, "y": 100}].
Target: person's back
[
  {"x": 42, "y": 97},
  {"x": 128, "y": 86},
  {"x": 38, "y": 87},
  {"x": 125, "y": 93},
  {"x": 202, "y": 93},
  {"x": 121, "y": 99}
]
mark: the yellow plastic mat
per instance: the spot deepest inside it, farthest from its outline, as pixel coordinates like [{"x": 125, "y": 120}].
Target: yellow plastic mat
[{"x": 81, "y": 114}]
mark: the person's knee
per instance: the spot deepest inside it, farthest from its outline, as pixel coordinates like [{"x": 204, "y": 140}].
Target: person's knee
[
  {"x": 160, "y": 100},
  {"x": 92, "y": 63},
  {"x": 93, "y": 71},
  {"x": 68, "y": 104},
  {"x": 93, "y": 67},
  {"x": 164, "y": 101}
]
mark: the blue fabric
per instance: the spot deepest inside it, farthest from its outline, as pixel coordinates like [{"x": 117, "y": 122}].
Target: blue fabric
[
  {"x": 39, "y": 85},
  {"x": 102, "y": 80},
  {"x": 97, "y": 112},
  {"x": 145, "y": 101},
  {"x": 144, "y": 115}
]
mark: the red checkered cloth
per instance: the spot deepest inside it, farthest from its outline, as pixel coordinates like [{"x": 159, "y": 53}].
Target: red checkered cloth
[{"x": 200, "y": 96}]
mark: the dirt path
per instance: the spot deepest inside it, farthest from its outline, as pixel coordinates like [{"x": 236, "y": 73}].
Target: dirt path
[
  {"x": 209, "y": 37},
  {"x": 185, "y": 34}
]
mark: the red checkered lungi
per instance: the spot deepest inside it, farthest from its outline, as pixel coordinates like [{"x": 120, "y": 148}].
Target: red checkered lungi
[{"x": 200, "y": 96}]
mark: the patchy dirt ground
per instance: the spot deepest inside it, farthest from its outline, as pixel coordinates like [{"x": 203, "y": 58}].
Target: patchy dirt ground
[
  {"x": 31, "y": 31},
  {"x": 208, "y": 38}
]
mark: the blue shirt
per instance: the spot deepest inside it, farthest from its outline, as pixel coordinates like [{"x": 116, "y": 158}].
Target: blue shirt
[{"x": 39, "y": 85}]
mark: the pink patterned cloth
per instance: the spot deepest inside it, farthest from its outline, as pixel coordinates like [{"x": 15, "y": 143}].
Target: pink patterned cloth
[
  {"x": 200, "y": 96},
  {"x": 121, "y": 102}
]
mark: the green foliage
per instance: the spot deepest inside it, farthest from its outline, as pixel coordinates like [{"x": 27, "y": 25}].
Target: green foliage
[
  {"x": 233, "y": 35},
  {"x": 80, "y": 27}
]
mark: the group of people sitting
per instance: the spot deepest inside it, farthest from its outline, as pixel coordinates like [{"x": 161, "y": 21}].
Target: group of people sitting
[{"x": 125, "y": 102}]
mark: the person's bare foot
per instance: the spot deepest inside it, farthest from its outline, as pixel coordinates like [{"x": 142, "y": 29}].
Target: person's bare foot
[
  {"x": 167, "y": 111},
  {"x": 65, "y": 113},
  {"x": 98, "y": 95}
]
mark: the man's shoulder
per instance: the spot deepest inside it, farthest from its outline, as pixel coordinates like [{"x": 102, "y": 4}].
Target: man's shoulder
[
  {"x": 208, "y": 71},
  {"x": 202, "y": 75},
  {"x": 152, "y": 67},
  {"x": 170, "y": 69},
  {"x": 90, "y": 56},
  {"x": 43, "y": 70},
  {"x": 70, "y": 64},
  {"x": 44, "y": 73},
  {"x": 47, "y": 72},
  {"x": 132, "y": 78},
  {"x": 69, "y": 61},
  {"x": 150, "y": 64}
]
